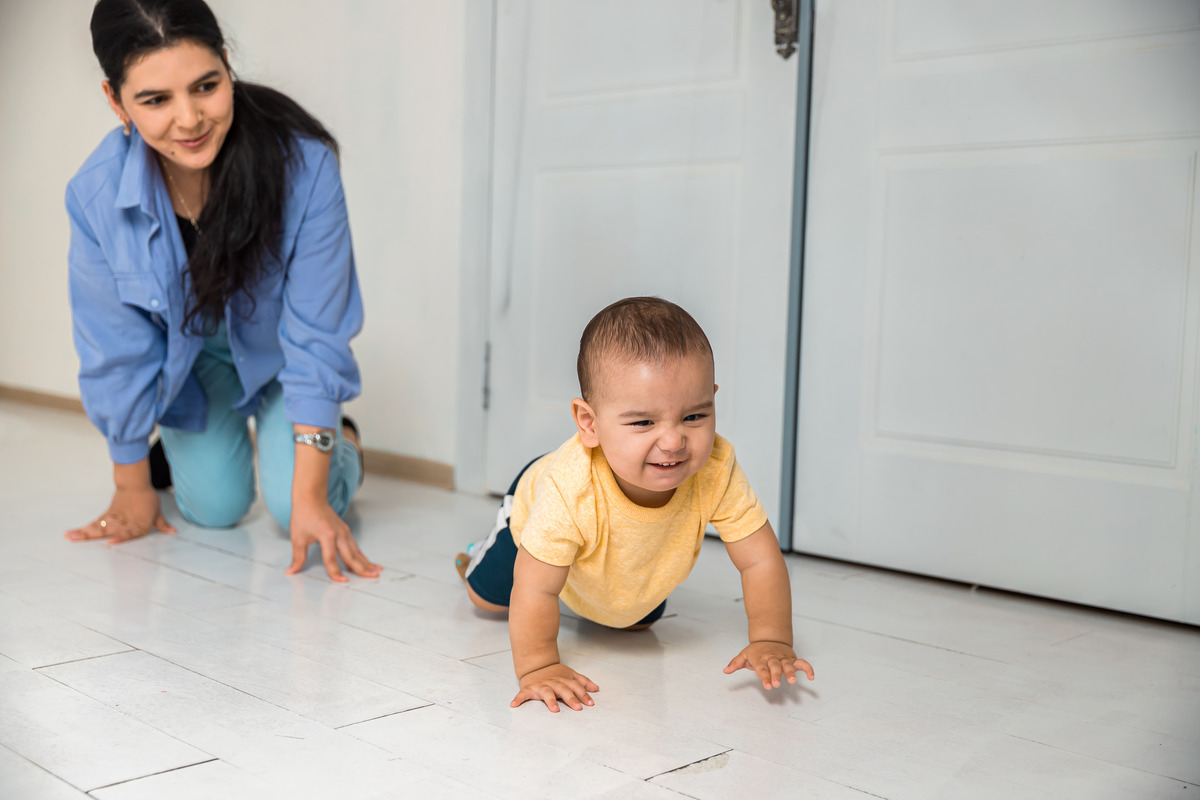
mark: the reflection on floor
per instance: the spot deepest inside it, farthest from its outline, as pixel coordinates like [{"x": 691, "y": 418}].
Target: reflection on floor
[{"x": 190, "y": 666}]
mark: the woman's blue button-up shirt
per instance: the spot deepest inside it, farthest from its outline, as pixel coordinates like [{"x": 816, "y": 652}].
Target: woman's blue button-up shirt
[{"x": 127, "y": 300}]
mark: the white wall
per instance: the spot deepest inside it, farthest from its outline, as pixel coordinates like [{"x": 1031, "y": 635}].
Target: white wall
[{"x": 386, "y": 76}]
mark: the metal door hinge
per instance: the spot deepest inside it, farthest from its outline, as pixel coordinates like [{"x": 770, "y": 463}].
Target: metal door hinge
[{"x": 787, "y": 26}]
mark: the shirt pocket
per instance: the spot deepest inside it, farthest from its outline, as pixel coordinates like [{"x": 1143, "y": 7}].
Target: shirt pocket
[{"x": 142, "y": 290}]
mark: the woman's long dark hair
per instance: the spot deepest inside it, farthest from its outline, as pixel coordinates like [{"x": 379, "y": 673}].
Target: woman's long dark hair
[{"x": 243, "y": 217}]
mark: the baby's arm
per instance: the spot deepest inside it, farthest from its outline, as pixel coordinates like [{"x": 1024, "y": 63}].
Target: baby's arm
[
  {"x": 768, "y": 597},
  {"x": 533, "y": 631}
]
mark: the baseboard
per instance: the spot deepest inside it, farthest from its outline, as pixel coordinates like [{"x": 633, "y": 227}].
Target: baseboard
[
  {"x": 31, "y": 397},
  {"x": 376, "y": 462},
  {"x": 409, "y": 468}
]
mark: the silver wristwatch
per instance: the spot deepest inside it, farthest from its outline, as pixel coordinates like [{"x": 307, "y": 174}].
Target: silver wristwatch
[{"x": 322, "y": 440}]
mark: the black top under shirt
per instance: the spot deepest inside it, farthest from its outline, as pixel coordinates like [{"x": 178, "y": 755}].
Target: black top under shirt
[{"x": 187, "y": 232}]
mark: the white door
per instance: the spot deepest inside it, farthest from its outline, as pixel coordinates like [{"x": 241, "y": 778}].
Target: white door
[
  {"x": 1000, "y": 333},
  {"x": 641, "y": 147}
]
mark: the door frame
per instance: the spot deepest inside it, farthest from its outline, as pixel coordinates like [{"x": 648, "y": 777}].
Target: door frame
[
  {"x": 479, "y": 97},
  {"x": 479, "y": 40},
  {"x": 791, "y": 384}
]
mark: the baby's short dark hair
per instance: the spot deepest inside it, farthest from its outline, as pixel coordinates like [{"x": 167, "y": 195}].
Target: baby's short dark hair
[{"x": 637, "y": 330}]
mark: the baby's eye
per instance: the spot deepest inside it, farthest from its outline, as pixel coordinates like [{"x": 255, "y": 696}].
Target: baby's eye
[
  {"x": 642, "y": 423},
  {"x": 694, "y": 417}
]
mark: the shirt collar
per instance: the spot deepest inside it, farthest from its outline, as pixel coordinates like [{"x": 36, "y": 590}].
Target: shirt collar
[{"x": 138, "y": 185}]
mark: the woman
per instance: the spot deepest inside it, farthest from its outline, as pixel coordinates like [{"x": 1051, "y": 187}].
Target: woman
[{"x": 212, "y": 278}]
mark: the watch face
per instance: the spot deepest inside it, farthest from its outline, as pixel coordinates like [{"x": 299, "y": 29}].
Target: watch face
[{"x": 324, "y": 441}]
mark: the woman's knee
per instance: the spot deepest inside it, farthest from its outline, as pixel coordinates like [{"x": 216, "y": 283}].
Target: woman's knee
[{"x": 222, "y": 509}]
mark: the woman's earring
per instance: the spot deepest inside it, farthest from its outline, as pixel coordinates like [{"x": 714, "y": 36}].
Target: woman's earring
[{"x": 126, "y": 126}]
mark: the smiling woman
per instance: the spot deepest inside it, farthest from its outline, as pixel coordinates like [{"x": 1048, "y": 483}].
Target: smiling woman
[{"x": 212, "y": 278}]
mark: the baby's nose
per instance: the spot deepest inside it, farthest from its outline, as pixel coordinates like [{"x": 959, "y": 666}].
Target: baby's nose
[{"x": 671, "y": 442}]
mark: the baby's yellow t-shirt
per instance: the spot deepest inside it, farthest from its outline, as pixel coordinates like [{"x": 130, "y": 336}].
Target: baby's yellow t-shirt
[{"x": 624, "y": 558}]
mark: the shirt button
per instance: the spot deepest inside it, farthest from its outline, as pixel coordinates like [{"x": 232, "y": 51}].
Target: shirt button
[
  {"x": 241, "y": 358},
  {"x": 154, "y": 303}
]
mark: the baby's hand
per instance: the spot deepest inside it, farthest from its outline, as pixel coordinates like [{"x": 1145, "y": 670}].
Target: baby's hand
[
  {"x": 550, "y": 683},
  {"x": 770, "y": 661}
]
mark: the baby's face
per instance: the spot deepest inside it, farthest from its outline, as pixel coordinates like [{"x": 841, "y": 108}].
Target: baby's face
[{"x": 655, "y": 424}]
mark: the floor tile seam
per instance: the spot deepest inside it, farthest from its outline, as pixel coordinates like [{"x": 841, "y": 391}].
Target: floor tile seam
[
  {"x": 291, "y": 653},
  {"x": 69, "y": 620},
  {"x": 38, "y": 766},
  {"x": 1070, "y": 638},
  {"x": 860, "y": 791},
  {"x": 648, "y": 778},
  {"x": 506, "y": 733},
  {"x": 151, "y": 775},
  {"x": 403, "y": 578},
  {"x": 64, "y": 574},
  {"x": 903, "y": 639},
  {"x": 202, "y": 676},
  {"x": 726, "y": 751},
  {"x": 131, "y": 717},
  {"x": 972, "y": 687},
  {"x": 233, "y": 688},
  {"x": 404, "y": 642},
  {"x": 686, "y": 738},
  {"x": 224, "y": 551},
  {"x": 87, "y": 627},
  {"x": 618, "y": 661},
  {"x": 1077, "y": 716},
  {"x": 391, "y": 599},
  {"x": 790, "y": 768},
  {"x": 407, "y": 643},
  {"x": 450, "y": 582},
  {"x": 425, "y": 704},
  {"x": 355, "y": 672},
  {"x": 197, "y": 576},
  {"x": 469, "y": 659},
  {"x": 113, "y": 588},
  {"x": 943, "y": 734},
  {"x": 129, "y": 649},
  {"x": 672, "y": 789},
  {"x": 1100, "y": 759}
]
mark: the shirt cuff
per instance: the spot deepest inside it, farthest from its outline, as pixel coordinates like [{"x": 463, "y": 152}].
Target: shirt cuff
[
  {"x": 316, "y": 411},
  {"x": 129, "y": 452}
]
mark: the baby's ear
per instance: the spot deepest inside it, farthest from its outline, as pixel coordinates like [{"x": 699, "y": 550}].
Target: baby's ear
[{"x": 585, "y": 421}]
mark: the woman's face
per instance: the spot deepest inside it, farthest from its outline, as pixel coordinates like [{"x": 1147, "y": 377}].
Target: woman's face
[{"x": 181, "y": 100}]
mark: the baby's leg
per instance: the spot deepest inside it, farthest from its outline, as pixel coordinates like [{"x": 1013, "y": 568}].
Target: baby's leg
[
  {"x": 648, "y": 620},
  {"x": 488, "y": 570},
  {"x": 487, "y": 566},
  {"x": 482, "y": 604}
]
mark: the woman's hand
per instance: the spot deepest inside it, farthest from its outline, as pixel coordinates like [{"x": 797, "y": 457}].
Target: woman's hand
[
  {"x": 133, "y": 513},
  {"x": 318, "y": 522}
]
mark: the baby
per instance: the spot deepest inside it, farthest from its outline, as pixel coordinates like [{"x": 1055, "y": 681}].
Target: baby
[{"x": 612, "y": 521}]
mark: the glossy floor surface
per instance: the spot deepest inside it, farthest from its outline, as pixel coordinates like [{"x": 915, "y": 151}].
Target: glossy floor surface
[{"x": 190, "y": 666}]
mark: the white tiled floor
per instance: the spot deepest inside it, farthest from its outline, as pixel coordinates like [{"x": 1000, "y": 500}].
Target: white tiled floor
[{"x": 192, "y": 667}]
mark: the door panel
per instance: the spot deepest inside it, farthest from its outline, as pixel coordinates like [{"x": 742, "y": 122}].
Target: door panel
[
  {"x": 640, "y": 148},
  {"x": 1000, "y": 334}
]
